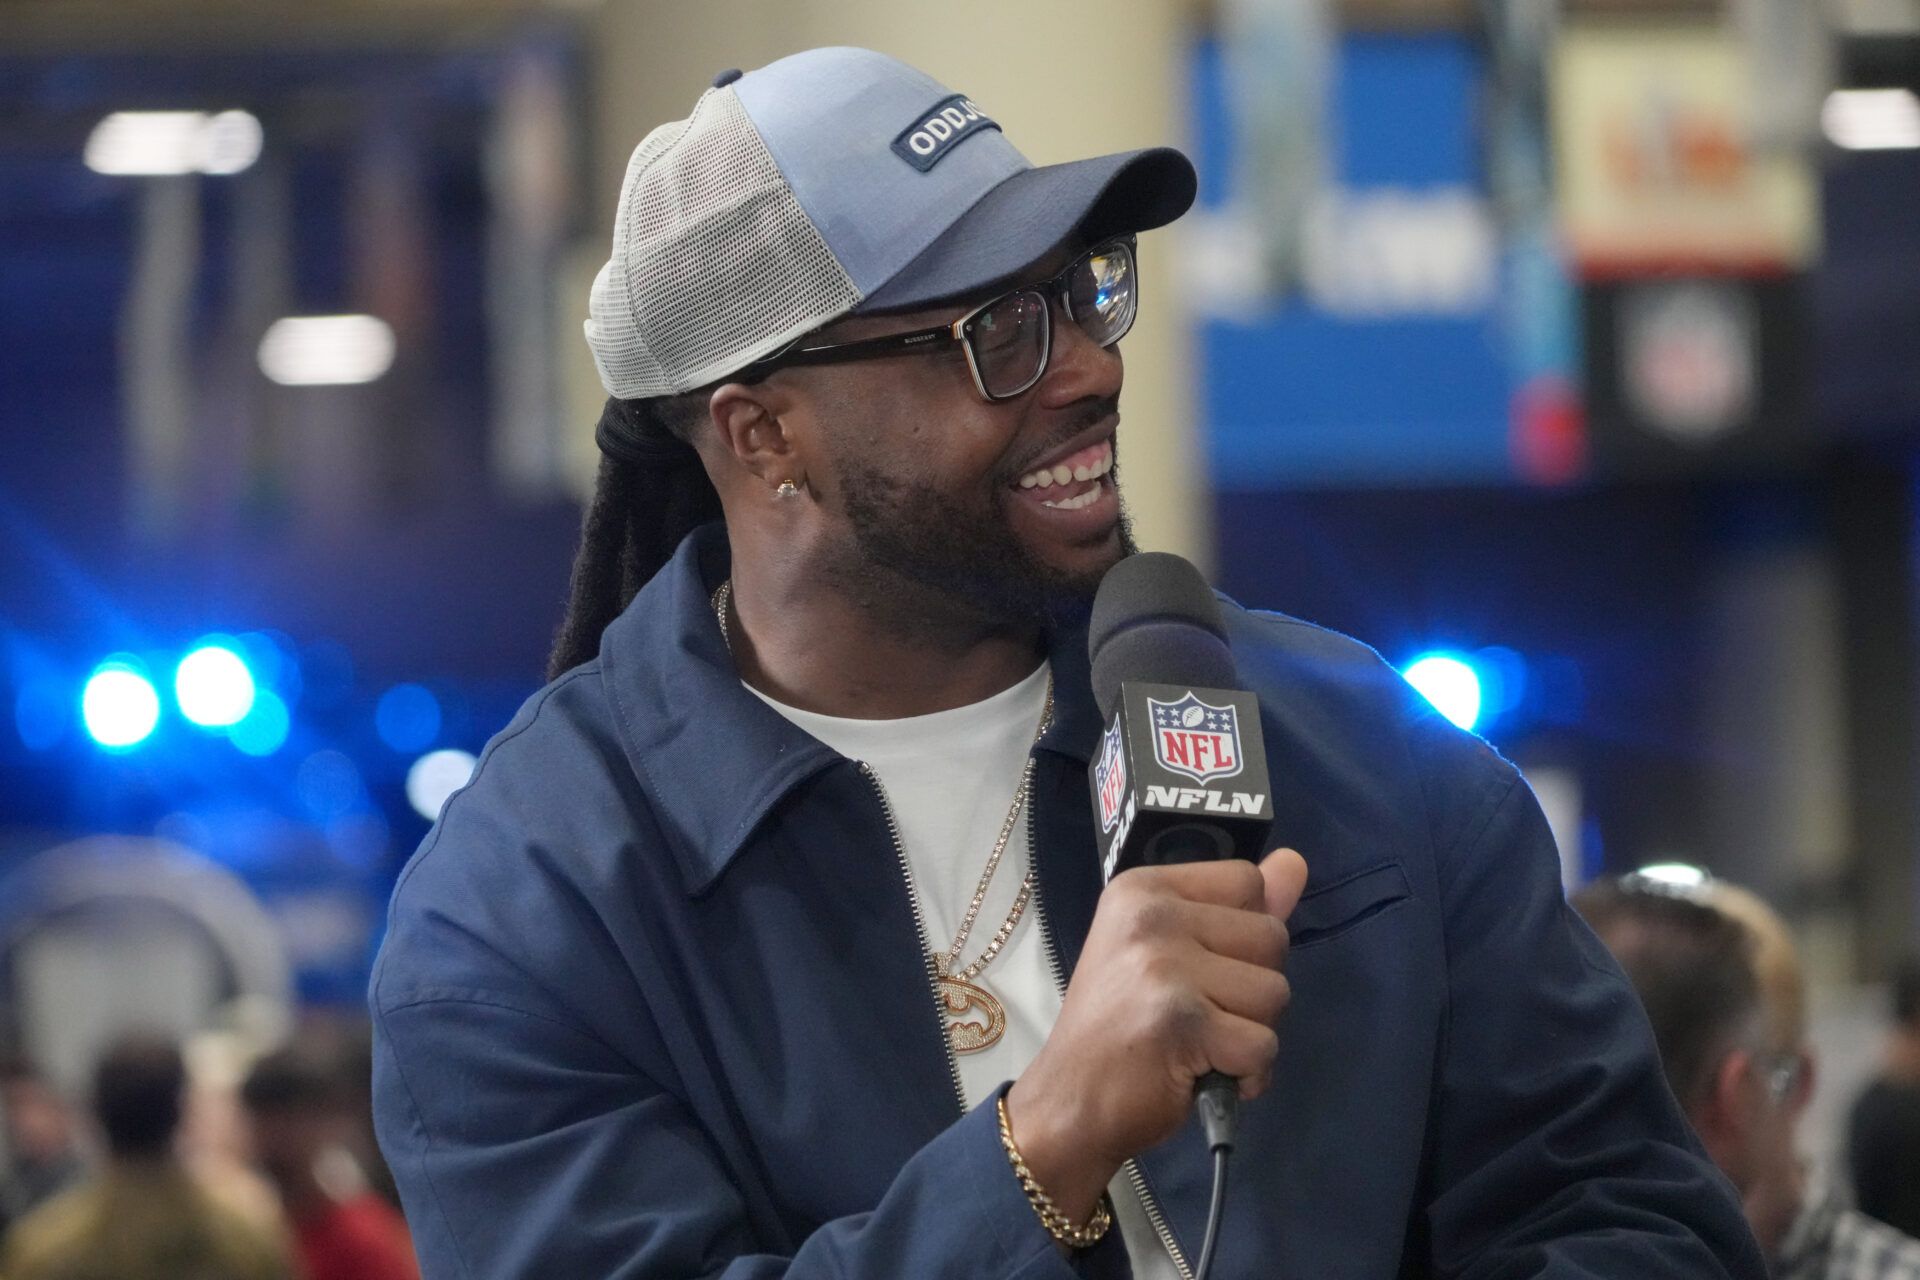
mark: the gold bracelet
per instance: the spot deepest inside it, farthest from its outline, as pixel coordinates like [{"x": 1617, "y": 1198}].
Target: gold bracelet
[{"x": 1056, "y": 1223}]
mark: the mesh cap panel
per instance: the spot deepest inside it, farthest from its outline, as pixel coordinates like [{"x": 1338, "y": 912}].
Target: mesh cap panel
[{"x": 714, "y": 264}]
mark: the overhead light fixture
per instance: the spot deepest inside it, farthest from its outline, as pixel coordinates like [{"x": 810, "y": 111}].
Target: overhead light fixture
[
  {"x": 159, "y": 143},
  {"x": 1680, "y": 876},
  {"x": 434, "y": 778},
  {"x": 1872, "y": 119},
  {"x": 313, "y": 351}
]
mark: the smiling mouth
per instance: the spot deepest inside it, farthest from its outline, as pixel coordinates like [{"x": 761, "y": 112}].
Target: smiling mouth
[{"x": 1074, "y": 481}]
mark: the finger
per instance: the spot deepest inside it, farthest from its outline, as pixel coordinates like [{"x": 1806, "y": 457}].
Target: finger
[
  {"x": 1239, "y": 1047},
  {"x": 1252, "y": 936},
  {"x": 1249, "y": 991},
  {"x": 1229, "y": 882},
  {"x": 1284, "y": 876}
]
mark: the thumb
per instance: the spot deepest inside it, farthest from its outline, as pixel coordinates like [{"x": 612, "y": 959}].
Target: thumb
[{"x": 1286, "y": 875}]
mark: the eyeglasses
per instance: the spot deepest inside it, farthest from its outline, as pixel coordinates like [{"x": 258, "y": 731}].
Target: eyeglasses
[
  {"x": 1781, "y": 1074},
  {"x": 1008, "y": 340}
]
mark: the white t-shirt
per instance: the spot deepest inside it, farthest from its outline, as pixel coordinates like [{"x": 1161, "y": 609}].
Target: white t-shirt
[{"x": 950, "y": 778}]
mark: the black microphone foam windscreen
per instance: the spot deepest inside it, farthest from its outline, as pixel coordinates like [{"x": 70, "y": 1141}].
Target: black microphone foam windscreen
[{"x": 1155, "y": 620}]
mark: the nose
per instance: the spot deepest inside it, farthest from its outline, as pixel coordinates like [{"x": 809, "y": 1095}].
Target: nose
[{"x": 1079, "y": 368}]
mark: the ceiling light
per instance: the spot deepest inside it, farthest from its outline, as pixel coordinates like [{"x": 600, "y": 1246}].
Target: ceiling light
[
  {"x": 156, "y": 143},
  {"x": 311, "y": 351},
  {"x": 1872, "y": 119}
]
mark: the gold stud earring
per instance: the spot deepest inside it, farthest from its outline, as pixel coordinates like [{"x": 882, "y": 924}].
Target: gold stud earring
[{"x": 787, "y": 489}]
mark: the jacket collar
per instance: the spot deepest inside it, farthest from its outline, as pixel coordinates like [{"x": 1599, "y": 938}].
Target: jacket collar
[{"x": 713, "y": 759}]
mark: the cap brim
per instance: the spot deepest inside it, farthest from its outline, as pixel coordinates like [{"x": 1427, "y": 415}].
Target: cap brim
[{"x": 1027, "y": 216}]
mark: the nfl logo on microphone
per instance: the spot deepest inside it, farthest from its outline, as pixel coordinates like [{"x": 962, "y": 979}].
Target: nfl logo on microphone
[
  {"x": 1110, "y": 778},
  {"x": 1196, "y": 738}
]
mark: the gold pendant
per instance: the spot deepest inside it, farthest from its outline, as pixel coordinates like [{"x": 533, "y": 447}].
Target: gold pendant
[{"x": 957, "y": 998}]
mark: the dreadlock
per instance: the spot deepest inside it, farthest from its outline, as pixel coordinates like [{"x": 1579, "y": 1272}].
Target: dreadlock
[{"x": 650, "y": 493}]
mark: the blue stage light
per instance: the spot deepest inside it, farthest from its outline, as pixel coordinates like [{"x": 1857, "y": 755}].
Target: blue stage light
[
  {"x": 42, "y": 713},
  {"x": 119, "y": 705},
  {"x": 275, "y": 662},
  {"x": 1505, "y": 682},
  {"x": 1450, "y": 683},
  {"x": 327, "y": 676},
  {"x": 264, "y": 730},
  {"x": 213, "y": 685},
  {"x": 407, "y": 718},
  {"x": 263, "y": 657},
  {"x": 329, "y": 785}
]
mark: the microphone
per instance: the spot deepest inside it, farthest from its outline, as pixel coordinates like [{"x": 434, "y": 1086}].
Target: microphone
[{"x": 1181, "y": 775}]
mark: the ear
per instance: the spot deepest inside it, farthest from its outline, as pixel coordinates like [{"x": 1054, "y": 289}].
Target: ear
[
  {"x": 747, "y": 424},
  {"x": 1723, "y": 1117}
]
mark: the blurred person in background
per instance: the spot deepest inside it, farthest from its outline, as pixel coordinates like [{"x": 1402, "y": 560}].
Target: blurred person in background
[
  {"x": 143, "y": 1217},
  {"x": 43, "y": 1149},
  {"x": 1718, "y": 974},
  {"x": 356, "y": 1069},
  {"x": 300, "y": 1108},
  {"x": 215, "y": 1141},
  {"x": 1883, "y": 1131}
]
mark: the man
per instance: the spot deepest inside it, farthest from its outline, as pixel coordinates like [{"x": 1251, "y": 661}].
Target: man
[
  {"x": 1883, "y": 1132},
  {"x": 144, "y": 1217},
  {"x": 1717, "y": 971},
  {"x": 297, "y": 1111},
  {"x": 770, "y": 938},
  {"x": 43, "y": 1157}
]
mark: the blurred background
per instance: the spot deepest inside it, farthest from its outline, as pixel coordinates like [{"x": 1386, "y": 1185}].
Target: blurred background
[{"x": 1571, "y": 347}]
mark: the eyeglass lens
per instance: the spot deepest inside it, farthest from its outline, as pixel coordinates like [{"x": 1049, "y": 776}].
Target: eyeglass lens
[
  {"x": 1011, "y": 338},
  {"x": 1100, "y": 295},
  {"x": 1010, "y": 342},
  {"x": 1783, "y": 1075}
]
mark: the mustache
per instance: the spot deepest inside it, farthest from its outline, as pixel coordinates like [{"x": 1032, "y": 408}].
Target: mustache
[{"x": 1095, "y": 410}]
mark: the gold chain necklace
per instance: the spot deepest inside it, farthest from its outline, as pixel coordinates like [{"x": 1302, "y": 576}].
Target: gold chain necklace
[{"x": 957, "y": 992}]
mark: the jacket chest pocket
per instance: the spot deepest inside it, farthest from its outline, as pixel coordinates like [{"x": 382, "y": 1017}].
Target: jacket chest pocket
[{"x": 1325, "y": 912}]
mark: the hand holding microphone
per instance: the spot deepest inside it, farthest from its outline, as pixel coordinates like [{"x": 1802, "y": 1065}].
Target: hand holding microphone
[{"x": 1180, "y": 977}]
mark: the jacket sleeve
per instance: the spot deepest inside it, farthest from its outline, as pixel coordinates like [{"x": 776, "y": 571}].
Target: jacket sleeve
[
  {"x": 525, "y": 1147},
  {"x": 1557, "y": 1148}
]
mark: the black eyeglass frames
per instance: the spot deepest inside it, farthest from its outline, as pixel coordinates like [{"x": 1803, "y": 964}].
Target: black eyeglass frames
[{"x": 1008, "y": 340}]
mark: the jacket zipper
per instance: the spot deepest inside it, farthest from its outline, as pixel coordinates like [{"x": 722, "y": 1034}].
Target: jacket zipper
[
  {"x": 1132, "y": 1167},
  {"x": 1134, "y": 1175},
  {"x": 920, "y": 928}
]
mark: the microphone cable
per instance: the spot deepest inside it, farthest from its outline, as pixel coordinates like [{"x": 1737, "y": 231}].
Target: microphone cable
[
  {"x": 1218, "y": 1100},
  {"x": 1213, "y": 1212}
]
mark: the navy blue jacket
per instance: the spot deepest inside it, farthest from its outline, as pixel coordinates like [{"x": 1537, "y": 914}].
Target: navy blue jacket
[{"x": 652, "y": 1004}]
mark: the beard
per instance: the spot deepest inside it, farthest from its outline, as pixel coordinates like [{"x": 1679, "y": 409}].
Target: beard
[{"x": 928, "y": 559}]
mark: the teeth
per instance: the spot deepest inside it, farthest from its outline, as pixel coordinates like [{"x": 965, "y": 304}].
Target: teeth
[
  {"x": 1074, "y": 504},
  {"x": 1061, "y": 473}
]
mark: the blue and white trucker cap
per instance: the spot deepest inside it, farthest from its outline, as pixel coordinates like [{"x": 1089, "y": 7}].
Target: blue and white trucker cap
[{"x": 829, "y": 182}]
